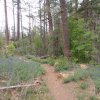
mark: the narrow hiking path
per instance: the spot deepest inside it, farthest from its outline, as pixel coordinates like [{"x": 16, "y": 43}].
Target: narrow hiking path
[{"x": 55, "y": 85}]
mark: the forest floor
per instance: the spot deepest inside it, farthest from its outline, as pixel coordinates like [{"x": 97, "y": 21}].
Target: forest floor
[
  {"x": 52, "y": 85},
  {"x": 69, "y": 91},
  {"x": 55, "y": 85}
]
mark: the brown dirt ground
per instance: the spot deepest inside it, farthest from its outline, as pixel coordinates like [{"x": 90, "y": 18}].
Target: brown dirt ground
[
  {"x": 58, "y": 90},
  {"x": 70, "y": 91}
]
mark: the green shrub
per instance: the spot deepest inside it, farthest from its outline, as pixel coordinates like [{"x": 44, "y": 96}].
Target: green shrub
[
  {"x": 11, "y": 48},
  {"x": 81, "y": 40},
  {"x": 93, "y": 98},
  {"x": 2, "y": 50},
  {"x": 42, "y": 61},
  {"x": 81, "y": 97},
  {"x": 78, "y": 75},
  {"x": 38, "y": 47},
  {"x": 83, "y": 85},
  {"x": 51, "y": 61},
  {"x": 1, "y": 41},
  {"x": 59, "y": 68},
  {"x": 69, "y": 79},
  {"x": 18, "y": 70},
  {"x": 23, "y": 47},
  {"x": 36, "y": 59},
  {"x": 61, "y": 64},
  {"x": 81, "y": 74},
  {"x": 29, "y": 56},
  {"x": 97, "y": 86},
  {"x": 94, "y": 72}
]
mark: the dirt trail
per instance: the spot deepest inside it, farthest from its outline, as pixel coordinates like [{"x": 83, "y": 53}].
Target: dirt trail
[{"x": 55, "y": 85}]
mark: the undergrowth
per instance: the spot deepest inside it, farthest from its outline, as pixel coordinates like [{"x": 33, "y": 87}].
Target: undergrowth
[
  {"x": 79, "y": 74},
  {"x": 83, "y": 85},
  {"x": 94, "y": 72},
  {"x": 62, "y": 64},
  {"x": 17, "y": 71},
  {"x": 93, "y": 98}
]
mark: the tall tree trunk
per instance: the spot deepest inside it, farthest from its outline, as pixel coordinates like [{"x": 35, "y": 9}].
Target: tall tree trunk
[
  {"x": 21, "y": 22},
  {"x": 76, "y": 5},
  {"x": 40, "y": 16},
  {"x": 65, "y": 28},
  {"x": 44, "y": 33},
  {"x": 18, "y": 19},
  {"x": 46, "y": 28},
  {"x": 49, "y": 17},
  {"x": 6, "y": 24},
  {"x": 29, "y": 24},
  {"x": 22, "y": 26},
  {"x": 50, "y": 27},
  {"x": 14, "y": 20}
]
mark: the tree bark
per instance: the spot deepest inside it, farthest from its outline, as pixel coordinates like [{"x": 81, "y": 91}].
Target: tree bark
[
  {"x": 65, "y": 28},
  {"x": 29, "y": 24},
  {"x": 40, "y": 16},
  {"x": 18, "y": 19},
  {"x": 6, "y": 24},
  {"x": 49, "y": 17},
  {"x": 50, "y": 27},
  {"x": 14, "y": 20},
  {"x": 76, "y": 5},
  {"x": 44, "y": 33}
]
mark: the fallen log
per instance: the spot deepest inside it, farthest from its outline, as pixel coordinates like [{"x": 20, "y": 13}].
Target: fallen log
[
  {"x": 17, "y": 86},
  {"x": 44, "y": 57}
]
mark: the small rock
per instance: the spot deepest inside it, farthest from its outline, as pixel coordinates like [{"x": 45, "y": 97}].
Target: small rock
[{"x": 83, "y": 66}]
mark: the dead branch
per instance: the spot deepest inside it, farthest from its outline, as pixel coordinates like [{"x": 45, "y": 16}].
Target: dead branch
[
  {"x": 17, "y": 86},
  {"x": 44, "y": 57}
]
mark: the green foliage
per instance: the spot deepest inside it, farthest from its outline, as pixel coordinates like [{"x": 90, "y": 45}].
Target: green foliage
[
  {"x": 11, "y": 48},
  {"x": 54, "y": 44},
  {"x": 37, "y": 59},
  {"x": 23, "y": 46},
  {"x": 1, "y": 41},
  {"x": 40, "y": 93},
  {"x": 29, "y": 56},
  {"x": 43, "y": 61},
  {"x": 81, "y": 97},
  {"x": 79, "y": 74},
  {"x": 27, "y": 46},
  {"x": 69, "y": 79},
  {"x": 97, "y": 86},
  {"x": 83, "y": 86},
  {"x": 50, "y": 45},
  {"x": 16, "y": 70},
  {"x": 61, "y": 64},
  {"x": 81, "y": 40},
  {"x": 94, "y": 72},
  {"x": 51, "y": 61},
  {"x": 93, "y": 98},
  {"x": 57, "y": 43},
  {"x": 37, "y": 44},
  {"x": 1, "y": 44}
]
